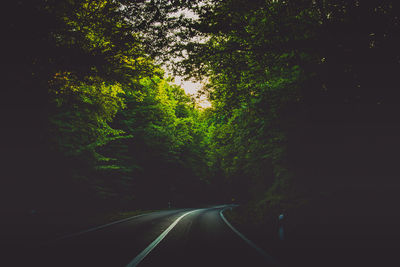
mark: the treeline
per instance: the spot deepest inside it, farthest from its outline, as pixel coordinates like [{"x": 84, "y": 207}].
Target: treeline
[
  {"x": 91, "y": 121},
  {"x": 305, "y": 96}
]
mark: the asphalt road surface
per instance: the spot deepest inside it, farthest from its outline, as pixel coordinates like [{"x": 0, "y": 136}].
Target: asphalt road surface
[{"x": 185, "y": 237}]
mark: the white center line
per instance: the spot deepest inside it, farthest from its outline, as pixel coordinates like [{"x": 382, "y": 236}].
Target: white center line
[{"x": 153, "y": 244}]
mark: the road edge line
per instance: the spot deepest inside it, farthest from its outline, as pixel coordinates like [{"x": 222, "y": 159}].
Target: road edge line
[
  {"x": 156, "y": 241},
  {"x": 266, "y": 256},
  {"x": 100, "y": 227}
]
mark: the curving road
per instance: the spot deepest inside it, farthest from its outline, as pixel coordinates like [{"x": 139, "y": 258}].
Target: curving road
[{"x": 185, "y": 237}]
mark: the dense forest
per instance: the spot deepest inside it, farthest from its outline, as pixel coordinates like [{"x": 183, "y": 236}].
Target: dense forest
[{"x": 304, "y": 101}]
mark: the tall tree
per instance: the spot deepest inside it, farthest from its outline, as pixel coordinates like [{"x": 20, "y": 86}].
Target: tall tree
[{"x": 313, "y": 77}]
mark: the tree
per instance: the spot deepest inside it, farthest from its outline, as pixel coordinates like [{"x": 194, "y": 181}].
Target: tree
[
  {"x": 306, "y": 74},
  {"x": 72, "y": 69}
]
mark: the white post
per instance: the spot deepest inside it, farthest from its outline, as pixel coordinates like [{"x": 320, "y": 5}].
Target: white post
[{"x": 281, "y": 230}]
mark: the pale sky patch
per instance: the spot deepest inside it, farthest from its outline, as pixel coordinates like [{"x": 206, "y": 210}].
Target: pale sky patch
[{"x": 192, "y": 88}]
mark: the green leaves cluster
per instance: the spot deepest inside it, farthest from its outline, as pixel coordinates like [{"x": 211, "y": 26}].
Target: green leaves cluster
[
  {"x": 104, "y": 122},
  {"x": 285, "y": 78},
  {"x": 255, "y": 74},
  {"x": 289, "y": 77}
]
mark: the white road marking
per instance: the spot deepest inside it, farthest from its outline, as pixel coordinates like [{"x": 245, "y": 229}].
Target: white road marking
[
  {"x": 102, "y": 226},
  {"x": 153, "y": 244},
  {"x": 267, "y": 257}
]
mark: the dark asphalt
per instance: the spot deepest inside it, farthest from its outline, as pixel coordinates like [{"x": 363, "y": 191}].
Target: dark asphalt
[{"x": 201, "y": 238}]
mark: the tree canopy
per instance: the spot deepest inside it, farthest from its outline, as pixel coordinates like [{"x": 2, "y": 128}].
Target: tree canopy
[{"x": 304, "y": 100}]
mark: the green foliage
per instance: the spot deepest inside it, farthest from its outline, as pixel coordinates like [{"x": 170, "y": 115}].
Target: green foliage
[
  {"x": 83, "y": 112},
  {"x": 104, "y": 124},
  {"x": 284, "y": 77}
]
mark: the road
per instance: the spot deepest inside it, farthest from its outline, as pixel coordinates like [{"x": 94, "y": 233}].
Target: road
[{"x": 184, "y": 237}]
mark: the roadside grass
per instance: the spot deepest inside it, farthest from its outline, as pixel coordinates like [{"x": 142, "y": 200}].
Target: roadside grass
[
  {"x": 348, "y": 227},
  {"x": 260, "y": 228},
  {"x": 258, "y": 221}
]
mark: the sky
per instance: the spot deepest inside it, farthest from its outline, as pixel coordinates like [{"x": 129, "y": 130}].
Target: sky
[{"x": 191, "y": 88}]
